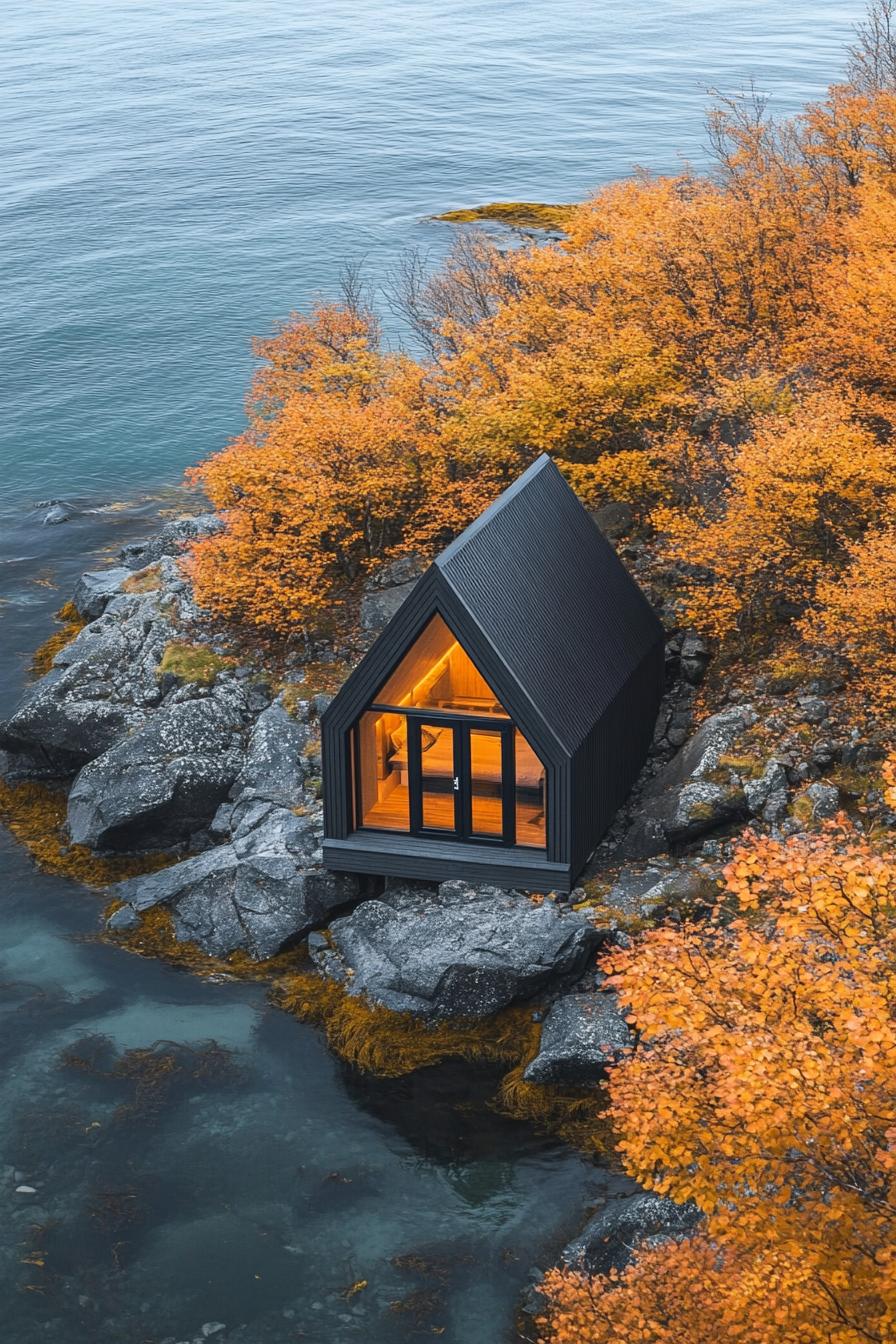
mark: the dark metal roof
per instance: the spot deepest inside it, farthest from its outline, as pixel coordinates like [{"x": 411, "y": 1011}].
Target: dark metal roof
[{"x": 552, "y": 600}]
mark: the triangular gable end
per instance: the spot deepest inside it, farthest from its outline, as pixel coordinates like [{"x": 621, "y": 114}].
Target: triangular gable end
[{"x": 433, "y": 599}]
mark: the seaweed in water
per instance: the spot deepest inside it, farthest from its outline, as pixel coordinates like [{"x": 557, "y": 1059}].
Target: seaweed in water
[{"x": 155, "y": 1076}]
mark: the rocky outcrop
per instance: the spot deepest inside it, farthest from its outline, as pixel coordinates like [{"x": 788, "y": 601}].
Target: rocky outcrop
[
  {"x": 387, "y": 590},
  {"x": 624, "y": 1225},
  {"x": 582, "y": 1035},
  {"x": 255, "y": 894},
  {"x": 262, "y": 886},
  {"x": 171, "y": 539},
  {"x": 461, "y": 951},
  {"x": 102, "y": 686},
  {"x": 687, "y": 798},
  {"x": 165, "y": 780}
]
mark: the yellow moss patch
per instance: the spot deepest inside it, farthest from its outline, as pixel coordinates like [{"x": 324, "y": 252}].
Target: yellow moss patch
[
  {"x": 742, "y": 765},
  {"x": 146, "y": 581},
  {"x": 155, "y": 938},
  {"x": 515, "y": 214},
  {"x": 35, "y": 814},
  {"x": 393, "y": 1044},
  {"x": 192, "y": 662},
  {"x": 72, "y": 625},
  {"x": 575, "y": 1115}
]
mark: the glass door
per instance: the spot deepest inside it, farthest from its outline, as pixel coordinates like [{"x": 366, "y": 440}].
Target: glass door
[
  {"x": 434, "y": 760},
  {"x": 487, "y": 785},
  {"x": 461, "y": 780}
]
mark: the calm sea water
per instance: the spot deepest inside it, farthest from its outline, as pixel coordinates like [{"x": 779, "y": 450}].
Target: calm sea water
[{"x": 176, "y": 177}]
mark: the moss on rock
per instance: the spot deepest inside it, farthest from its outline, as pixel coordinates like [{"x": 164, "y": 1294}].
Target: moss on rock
[
  {"x": 72, "y": 625},
  {"x": 192, "y": 662},
  {"x": 515, "y": 214}
]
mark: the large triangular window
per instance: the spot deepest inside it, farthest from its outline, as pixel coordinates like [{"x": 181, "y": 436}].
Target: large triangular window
[{"x": 437, "y": 754}]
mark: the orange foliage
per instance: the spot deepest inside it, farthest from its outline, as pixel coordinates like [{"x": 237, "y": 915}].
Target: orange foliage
[
  {"x": 763, "y": 1088},
  {"x": 336, "y": 469},
  {"x": 794, "y": 494},
  {"x": 855, "y": 616},
  {"x": 669, "y": 351}
]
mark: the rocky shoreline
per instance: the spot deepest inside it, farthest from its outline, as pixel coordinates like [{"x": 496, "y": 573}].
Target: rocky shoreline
[{"x": 168, "y": 739}]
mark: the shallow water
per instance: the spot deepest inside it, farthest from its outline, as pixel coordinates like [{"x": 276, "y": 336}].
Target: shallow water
[{"x": 178, "y": 177}]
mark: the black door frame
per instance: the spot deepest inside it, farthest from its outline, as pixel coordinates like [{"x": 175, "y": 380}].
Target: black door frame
[{"x": 461, "y": 726}]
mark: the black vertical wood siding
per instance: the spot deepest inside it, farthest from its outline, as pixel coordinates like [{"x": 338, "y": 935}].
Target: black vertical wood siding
[{"x": 564, "y": 637}]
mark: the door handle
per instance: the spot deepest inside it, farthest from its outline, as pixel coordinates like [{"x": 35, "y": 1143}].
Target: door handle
[{"x": 456, "y": 783}]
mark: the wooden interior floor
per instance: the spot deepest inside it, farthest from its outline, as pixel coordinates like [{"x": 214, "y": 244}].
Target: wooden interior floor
[{"x": 391, "y": 813}]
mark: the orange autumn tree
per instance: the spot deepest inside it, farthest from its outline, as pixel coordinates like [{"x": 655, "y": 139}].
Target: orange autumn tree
[
  {"x": 855, "y": 616},
  {"x": 338, "y": 467},
  {"x": 675, "y": 350},
  {"x": 764, "y": 1089},
  {"x": 794, "y": 495}
]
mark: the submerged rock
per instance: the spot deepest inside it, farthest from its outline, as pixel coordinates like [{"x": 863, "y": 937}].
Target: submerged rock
[
  {"x": 165, "y": 780},
  {"x": 462, "y": 951},
  {"x": 623, "y": 1225},
  {"x": 582, "y": 1034}
]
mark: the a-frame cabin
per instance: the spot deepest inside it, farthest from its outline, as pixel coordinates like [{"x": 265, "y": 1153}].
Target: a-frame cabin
[{"x": 502, "y": 716}]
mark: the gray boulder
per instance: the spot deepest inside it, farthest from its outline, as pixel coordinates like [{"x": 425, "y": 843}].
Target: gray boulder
[
  {"x": 255, "y": 894},
  {"x": 700, "y": 756},
  {"x": 614, "y": 519},
  {"x": 396, "y": 572},
  {"x": 463, "y": 951},
  {"x": 102, "y": 686},
  {"x": 380, "y": 605},
  {"x": 686, "y": 799},
  {"x": 171, "y": 540},
  {"x": 632, "y": 891},
  {"x": 165, "y": 780},
  {"x": 582, "y": 1034},
  {"x": 767, "y": 796},
  {"x": 273, "y": 768},
  {"x": 694, "y": 655},
  {"x": 96, "y": 589},
  {"x": 624, "y": 1225},
  {"x": 654, "y": 893},
  {"x": 824, "y": 800},
  {"x": 387, "y": 589}
]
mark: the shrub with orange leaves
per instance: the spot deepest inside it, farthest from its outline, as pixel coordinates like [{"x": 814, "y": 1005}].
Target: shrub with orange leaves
[
  {"x": 855, "y": 616},
  {"x": 764, "y": 1089},
  {"x": 795, "y": 494},
  {"x": 337, "y": 469}
]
